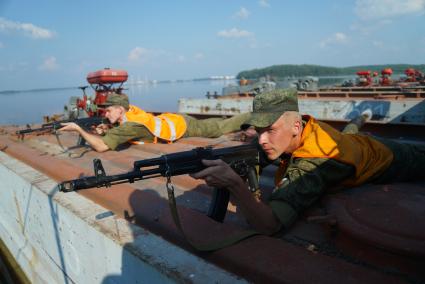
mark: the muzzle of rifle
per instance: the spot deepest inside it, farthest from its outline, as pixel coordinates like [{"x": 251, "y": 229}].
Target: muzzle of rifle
[
  {"x": 66, "y": 186},
  {"x": 77, "y": 184}
]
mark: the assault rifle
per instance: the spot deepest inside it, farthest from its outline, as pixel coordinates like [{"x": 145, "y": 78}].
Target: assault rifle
[
  {"x": 243, "y": 159},
  {"x": 86, "y": 123}
]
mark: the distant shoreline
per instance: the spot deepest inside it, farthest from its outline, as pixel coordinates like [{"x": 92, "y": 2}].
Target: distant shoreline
[
  {"x": 291, "y": 70},
  {"x": 277, "y": 72},
  {"x": 12, "y": 92}
]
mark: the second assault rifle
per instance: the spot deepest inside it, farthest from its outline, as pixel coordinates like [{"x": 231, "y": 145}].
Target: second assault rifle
[
  {"x": 243, "y": 159},
  {"x": 86, "y": 123}
]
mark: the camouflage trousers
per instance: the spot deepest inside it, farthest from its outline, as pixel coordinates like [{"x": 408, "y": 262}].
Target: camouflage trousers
[
  {"x": 409, "y": 159},
  {"x": 213, "y": 127},
  {"x": 408, "y": 163},
  {"x": 354, "y": 125}
]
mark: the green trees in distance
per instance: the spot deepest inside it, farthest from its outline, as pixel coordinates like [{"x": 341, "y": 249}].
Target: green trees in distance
[{"x": 289, "y": 70}]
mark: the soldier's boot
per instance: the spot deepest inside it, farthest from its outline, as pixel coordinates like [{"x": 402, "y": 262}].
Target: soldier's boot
[{"x": 358, "y": 122}]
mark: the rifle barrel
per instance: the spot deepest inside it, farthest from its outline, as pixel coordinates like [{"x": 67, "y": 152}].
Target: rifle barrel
[
  {"x": 186, "y": 162},
  {"x": 100, "y": 181},
  {"x": 85, "y": 123},
  {"x": 29, "y": 130}
]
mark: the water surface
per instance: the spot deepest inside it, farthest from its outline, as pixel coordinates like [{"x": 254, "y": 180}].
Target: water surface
[
  {"x": 30, "y": 106},
  {"x": 22, "y": 107}
]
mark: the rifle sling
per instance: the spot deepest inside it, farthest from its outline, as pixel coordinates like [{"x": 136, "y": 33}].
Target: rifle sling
[
  {"x": 208, "y": 246},
  {"x": 59, "y": 142}
]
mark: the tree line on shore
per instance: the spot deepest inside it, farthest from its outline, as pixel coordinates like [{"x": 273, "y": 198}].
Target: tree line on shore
[{"x": 290, "y": 70}]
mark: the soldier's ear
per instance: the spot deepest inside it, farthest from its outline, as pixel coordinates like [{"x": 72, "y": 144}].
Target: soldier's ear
[{"x": 297, "y": 128}]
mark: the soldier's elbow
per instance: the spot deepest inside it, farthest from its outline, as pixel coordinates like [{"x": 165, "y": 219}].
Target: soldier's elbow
[{"x": 101, "y": 148}]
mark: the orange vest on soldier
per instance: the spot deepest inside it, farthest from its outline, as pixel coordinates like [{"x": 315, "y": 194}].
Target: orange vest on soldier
[
  {"x": 166, "y": 126},
  {"x": 319, "y": 140}
]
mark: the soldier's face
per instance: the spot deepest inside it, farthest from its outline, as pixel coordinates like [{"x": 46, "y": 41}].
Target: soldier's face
[
  {"x": 113, "y": 114},
  {"x": 279, "y": 138}
]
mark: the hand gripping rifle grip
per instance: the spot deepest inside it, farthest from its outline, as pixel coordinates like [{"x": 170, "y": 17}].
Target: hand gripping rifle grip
[{"x": 252, "y": 178}]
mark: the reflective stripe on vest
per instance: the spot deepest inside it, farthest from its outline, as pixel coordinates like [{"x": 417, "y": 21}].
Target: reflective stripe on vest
[
  {"x": 158, "y": 126},
  {"x": 172, "y": 127},
  {"x": 166, "y": 126}
]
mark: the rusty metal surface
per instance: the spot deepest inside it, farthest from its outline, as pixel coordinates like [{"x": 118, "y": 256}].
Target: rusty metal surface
[
  {"x": 386, "y": 222},
  {"x": 389, "y": 108},
  {"x": 413, "y": 86},
  {"x": 309, "y": 252},
  {"x": 229, "y": 105},
  {"x": 372, "y": 94}
]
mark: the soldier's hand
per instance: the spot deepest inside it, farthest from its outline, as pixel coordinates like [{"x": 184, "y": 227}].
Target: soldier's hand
[
  {"x": 249, "y": 134},
  {"x": 101, "y": 129},
  {"x": 69, "y": 126},
  {"x": 217, "y": 174}
]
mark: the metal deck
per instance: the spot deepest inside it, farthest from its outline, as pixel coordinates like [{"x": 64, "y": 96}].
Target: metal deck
[{"x": 322, "y": 247}]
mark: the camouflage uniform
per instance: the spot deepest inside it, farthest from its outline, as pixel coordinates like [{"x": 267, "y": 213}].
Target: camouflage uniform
[
  {"x": 210, "y": 128},
  {"x": 213, "y": 127},
  {"x": 124, "y": 133},
  {"x": 307, "y": 179}
]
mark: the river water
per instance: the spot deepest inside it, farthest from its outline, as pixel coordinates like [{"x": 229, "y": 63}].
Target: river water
[
  {"x": 24, "y": 107},
  {"x": 30, "y": 106}
]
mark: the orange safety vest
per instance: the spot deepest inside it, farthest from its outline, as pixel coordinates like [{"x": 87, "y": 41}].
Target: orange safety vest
[
  {"x": 319, "y": 140},
  {"x": 166, "y": 126}
]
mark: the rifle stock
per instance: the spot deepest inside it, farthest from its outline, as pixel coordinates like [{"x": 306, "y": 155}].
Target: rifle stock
[{"x": 243, "y": 159}]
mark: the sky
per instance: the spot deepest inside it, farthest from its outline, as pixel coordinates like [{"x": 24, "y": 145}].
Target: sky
[{"x": 56, "y": 43}]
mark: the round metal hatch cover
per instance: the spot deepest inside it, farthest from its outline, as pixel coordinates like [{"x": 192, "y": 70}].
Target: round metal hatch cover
[{"x": 389, "y": 217}]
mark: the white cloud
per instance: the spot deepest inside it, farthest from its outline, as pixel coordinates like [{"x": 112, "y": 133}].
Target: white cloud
[
  {"x": 264, "y": 3},
  {"x": 253, "y": 45},
  {"x": 199, "y": 56},
  {"x": 181, "y": 58},
  {"x": 234, "y": 33},
  {"x": 137, "y": 54},
  {"x": 336, "y": 38},
  {"x": 243, "y": 13},
  {"x": 140, "y": 56},
  {"x": 374, "y": 9},
  {"x": 49, "y": 64},
  {"x": 27, "y": 29}
]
